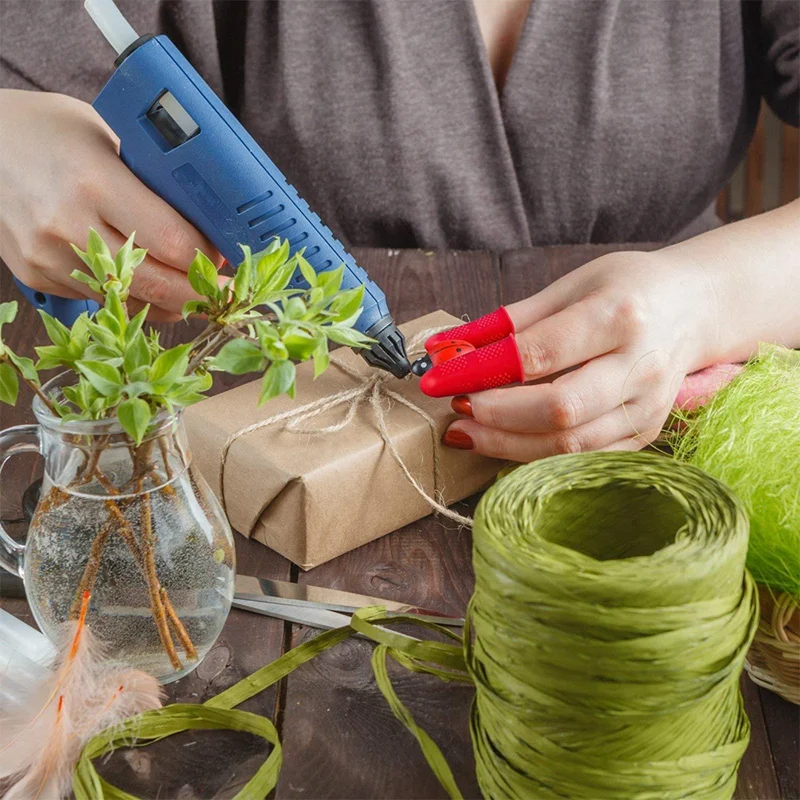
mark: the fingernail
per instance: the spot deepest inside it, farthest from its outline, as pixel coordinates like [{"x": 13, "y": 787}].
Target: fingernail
[
  {"x": 457, "y": 439},
  {"x": 462, "y": 405}
]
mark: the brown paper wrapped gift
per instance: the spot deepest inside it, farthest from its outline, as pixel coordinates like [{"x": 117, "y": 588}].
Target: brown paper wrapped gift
[{"x": 315, "y": 495}]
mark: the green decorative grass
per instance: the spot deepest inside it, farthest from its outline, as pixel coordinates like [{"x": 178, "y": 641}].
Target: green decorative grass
[{"x": 748, "y": 436}]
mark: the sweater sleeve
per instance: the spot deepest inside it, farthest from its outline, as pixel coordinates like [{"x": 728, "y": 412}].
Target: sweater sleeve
[{"x": 778, "y": 57}]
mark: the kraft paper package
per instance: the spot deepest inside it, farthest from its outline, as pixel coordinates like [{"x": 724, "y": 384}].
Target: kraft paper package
[{"x": 312, "y": 496}]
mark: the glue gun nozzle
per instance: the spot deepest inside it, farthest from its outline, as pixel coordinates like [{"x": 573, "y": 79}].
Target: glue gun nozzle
[{"x": 389, "y": 350}]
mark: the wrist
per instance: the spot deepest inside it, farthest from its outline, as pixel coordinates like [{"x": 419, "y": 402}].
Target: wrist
[{"x": 703, "y": 294}]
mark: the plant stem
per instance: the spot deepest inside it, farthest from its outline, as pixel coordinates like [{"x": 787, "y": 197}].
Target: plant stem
[
  {"x": 153, "y": 588},
  {"x": 178, "y": 628},
  {"x": 33, "y": 387},
  {"x": 215, "y": 341},
  {"x": 92, "y": 567},
  {"x": 164, "y": 448},
  {"x": 91, "y": 467}
]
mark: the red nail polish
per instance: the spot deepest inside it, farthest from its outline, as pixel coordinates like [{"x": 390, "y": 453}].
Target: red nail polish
[
  {"x": 458, "y": 439},
  {"x": 462, "y": 405}
]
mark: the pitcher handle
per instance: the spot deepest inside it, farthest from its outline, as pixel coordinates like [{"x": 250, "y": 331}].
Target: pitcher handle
[{"x": 19, "y": 439}]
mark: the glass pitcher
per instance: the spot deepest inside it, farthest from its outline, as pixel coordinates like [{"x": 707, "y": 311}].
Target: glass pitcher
[{"x": 134, "y": 527}]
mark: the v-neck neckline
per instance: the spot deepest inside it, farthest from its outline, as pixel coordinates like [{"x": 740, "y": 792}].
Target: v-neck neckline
[
  {"x": 494, "y": 100},
  {"x": 477, "y": 35}
]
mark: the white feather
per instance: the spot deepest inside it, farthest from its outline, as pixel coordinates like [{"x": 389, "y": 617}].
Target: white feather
[{"x": 40, "y": 743}]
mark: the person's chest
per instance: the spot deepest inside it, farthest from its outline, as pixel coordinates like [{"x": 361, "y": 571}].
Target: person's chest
[
  {"x": 615, "y": 119},
  {"x": 618, "y": 119}
]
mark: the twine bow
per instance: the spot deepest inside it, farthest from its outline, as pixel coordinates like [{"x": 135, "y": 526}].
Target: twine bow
[{"x": 372, "y": 390}]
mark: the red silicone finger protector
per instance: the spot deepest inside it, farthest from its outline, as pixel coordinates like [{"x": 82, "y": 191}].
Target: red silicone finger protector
[
  {"x": 490, "y": 367},
  {"x": 482, "y": 331}
]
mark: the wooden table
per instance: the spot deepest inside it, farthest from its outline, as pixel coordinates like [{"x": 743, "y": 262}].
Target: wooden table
[{"x": 340, "y": 739}]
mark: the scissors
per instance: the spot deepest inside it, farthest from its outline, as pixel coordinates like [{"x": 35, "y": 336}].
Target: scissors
[{"x": 320, "y": 607}]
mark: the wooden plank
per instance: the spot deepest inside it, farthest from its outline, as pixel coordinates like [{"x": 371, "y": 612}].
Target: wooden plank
[
  {"x": 790, "y": 164},
  {"x": 416, "y": 282},
  {"x": 757, "y": 778},
  {"x": 190, "y": 765},
  {"x": 525, "y": 272},
  {"x": 754, "y": 171},
  {"x": 782, "y": 720},
  {"x": 340, "y": 738}
]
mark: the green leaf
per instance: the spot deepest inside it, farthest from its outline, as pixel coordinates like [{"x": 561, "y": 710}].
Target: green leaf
[
  {"x": 294, "y": 308},
  {"x": 135, "y": 325},
  {"x": 116, "y": 309},
  {"x": 25, "y": 366},
  {"x": 96, "y": 245},
  {"x": 193, "y": 307},
  {"x": 101, "y": 334},
  {"x": 348, "y": 336},
  {"x": 123, "y": 254},
  {"x": 243, "y": 279},
  {"x": 103, "y": 377},
  {"x": 203, "y": 276},
  {"x": 348, "y": 304},
  {"x": 279, "y": 378},
  {"x": 321, "y": 356},
  {"x": 238, "y": 357},
  {"x": 138, "y": 387},
  {"x": 9, "y": 383},
  {"x": 56, "y": 330},
  {"x": 171, "y": 364},
  {"x": 106, "y": 319},
  {"x": 137, "y": 354},
  {"x": 307, "y": 271},
  {"x": 331, "y": 280},
  {"x": 105, "y": 264},
  {"x": 82, "y": 277},
  {"x": 51, "y": 356},
  {"x": 134, "y": 416},
  {"x": 299, "y": 344},
  {"x": 8, "y": 311}
]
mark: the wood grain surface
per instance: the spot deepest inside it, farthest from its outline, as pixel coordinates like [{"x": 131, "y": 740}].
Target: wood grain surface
[{"x": 340, "y": 739}]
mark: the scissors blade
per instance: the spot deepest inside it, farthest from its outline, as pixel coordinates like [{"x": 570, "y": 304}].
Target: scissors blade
[
  {"x": 299, "y": 614},
  {"x": 296, "y": 594}
]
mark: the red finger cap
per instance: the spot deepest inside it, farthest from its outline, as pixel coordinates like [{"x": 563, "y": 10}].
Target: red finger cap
[
  {"x": 497, "y": 364},
  {"x": 482, "y": 331}
]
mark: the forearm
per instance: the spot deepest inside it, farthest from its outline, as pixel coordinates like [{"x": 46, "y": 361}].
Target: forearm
[{"x": 753, "y": 272}]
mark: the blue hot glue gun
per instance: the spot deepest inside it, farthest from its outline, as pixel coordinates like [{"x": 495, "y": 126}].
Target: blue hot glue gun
[{"x": 181, "y": 141}]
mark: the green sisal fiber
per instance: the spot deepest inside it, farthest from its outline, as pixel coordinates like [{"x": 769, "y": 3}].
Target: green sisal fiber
[
  {"x": 748, "y": 436},
  {"x": 608, "y": 630},
  {"x": 605, "y": 638}
]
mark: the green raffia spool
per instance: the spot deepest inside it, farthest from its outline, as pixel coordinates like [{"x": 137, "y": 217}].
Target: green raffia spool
[
  {"x": 606, "y": 636},
  {"x": 608, "y": 629}
]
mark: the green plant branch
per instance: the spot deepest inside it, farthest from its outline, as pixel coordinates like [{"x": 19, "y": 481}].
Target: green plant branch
[{"x": 32, "y": 385}]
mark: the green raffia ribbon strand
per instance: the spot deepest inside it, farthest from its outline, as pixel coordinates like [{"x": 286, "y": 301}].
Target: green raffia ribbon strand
[
  {"x": 606, "y": 636},
  {"x": 608, "y": 630}
]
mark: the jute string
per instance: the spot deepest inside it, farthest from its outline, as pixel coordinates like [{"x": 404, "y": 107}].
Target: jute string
[{"x": 373, "y": 391}]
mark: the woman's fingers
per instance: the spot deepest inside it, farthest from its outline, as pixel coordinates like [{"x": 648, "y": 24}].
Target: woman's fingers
[
  {"x": 582, "y": 331},
  {"x": 576, "y": 397},
  {"x": 628, "y": 422},
  {"x": 573, "y": 399},
  {"x": 128, "y": 205}
]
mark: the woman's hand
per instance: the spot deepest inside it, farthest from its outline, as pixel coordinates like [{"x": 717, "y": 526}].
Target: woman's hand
[
  {"x": 60, "y": 174},
  {"x": 619, "y": 334}
]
